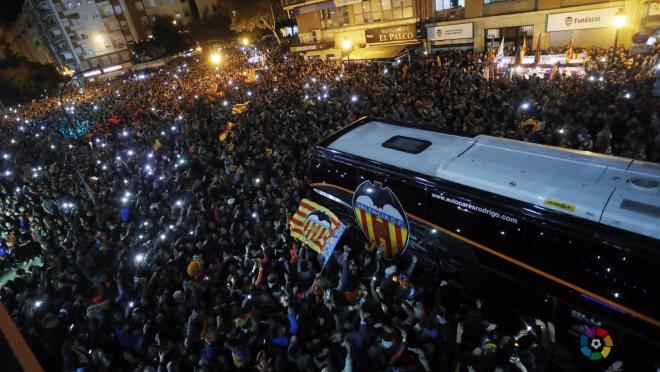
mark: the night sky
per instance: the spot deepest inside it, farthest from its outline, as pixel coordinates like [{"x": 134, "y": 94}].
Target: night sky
[{"x": 9, "y": 12}]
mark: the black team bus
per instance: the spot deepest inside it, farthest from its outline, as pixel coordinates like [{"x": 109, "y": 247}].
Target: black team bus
[{"x": 543, "y": 232}]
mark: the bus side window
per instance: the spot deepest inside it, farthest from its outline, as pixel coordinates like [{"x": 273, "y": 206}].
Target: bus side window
[
  {"x": 412, "y": 198},
  {"x": 551, "y": 250},
  {"x": 623, "y": 277},
  {"x": 337, "y": 173},
  {"x": 498, "y": 234}
]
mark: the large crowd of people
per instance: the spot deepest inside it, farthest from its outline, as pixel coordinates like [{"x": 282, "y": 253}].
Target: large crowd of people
[{"x": 164, "y": 248}]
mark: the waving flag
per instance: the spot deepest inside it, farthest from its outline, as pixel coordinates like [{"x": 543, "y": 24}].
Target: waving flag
[
  {"x": 569, "y": 51},
  {"x": 225, "y": 132},
  {"x": 239, "y": 108},
  {"x": 537, "y": 55},
  {"x": 317, "y": 227},
  {"x": 500, "y": 50}
]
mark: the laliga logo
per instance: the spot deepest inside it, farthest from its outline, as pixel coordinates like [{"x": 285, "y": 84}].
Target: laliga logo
[
  {"x": 568, "y": 21},
  {"x": 596, "y": 343},
  {"x": 381, "y": 217}
]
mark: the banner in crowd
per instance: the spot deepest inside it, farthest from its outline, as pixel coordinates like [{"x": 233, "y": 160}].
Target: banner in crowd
[
  {"x": 81, "y": 127},
  {"x": 225, "y": 132},
  {"x": 317, "y": 227},
  {"x": 239, "y": 108},
  {"x": 545, "y": 59}
]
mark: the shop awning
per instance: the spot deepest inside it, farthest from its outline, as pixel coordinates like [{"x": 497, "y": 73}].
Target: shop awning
[{"x": 371, "y": 52}]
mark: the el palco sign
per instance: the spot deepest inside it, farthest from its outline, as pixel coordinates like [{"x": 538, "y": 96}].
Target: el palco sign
[{"x": 385, "y": 34}]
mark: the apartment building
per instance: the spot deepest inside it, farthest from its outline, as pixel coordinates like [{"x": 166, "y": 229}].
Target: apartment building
[
  {"x": 379, "y": 29},
  {"x": 82, "y": 34}
]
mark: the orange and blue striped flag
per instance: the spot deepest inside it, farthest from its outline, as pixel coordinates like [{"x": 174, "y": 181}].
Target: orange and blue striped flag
[{"x": 317, "y": 227}]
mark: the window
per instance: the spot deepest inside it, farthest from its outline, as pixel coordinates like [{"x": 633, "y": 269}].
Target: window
[
  {"x": 407, "y": 144},
  {"x": 510, "y": 35},
  {"x": 382, "y": 10},
  {"x": 151, "y": 3},
  {"x": 144, "y": 20},
  {"x": 334, "y": 17},
  {"x": 448, "y": 4},
  {"x": 118, "y": 9},
  {"x": 139, "y": 6}
]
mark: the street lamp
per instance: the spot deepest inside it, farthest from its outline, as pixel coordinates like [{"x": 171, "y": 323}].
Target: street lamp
[
  {"x": 215, "y": 58},
  {"x": 619, "y": 21},
  {"x": 347, "y": 46},
  {"x": 245, "y": 41},
  {"x": 98, "y": 39}
]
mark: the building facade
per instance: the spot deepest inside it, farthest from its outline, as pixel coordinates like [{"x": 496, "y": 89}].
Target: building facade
[
  {"x": 83, "y": 34},
  {"x": 374, "y": 27},
  {"x": 482, "y": 24}
]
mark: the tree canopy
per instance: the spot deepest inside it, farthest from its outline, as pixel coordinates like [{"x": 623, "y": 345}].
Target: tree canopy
[
  {"x": 168, "y": 39},
  {"x": 248, "y": 15},
  {"x": 22, "y": 80}
]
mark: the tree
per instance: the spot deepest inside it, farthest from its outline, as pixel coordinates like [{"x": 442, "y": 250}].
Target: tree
[
  {"x": 22, "y": 80},
  {"x": 169, "y": 36},
  {"x": 211, "y": 27},
  {"x": 248, "y": 15},
  {"x": 168, "y": 40}
]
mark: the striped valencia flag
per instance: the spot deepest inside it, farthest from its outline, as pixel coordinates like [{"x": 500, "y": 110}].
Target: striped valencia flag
[
  {"x": 523, "y": 49},
  {"x": 569, "y": 51},
  {"x": 239, "y": 108},
  {"x": 315, "y": 226},
  {"x": 537, "y": 55},
  {"x": 225, "y": 132}
]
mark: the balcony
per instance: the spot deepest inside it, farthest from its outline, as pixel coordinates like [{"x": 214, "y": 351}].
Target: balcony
[{"x": 449, "y": 15}]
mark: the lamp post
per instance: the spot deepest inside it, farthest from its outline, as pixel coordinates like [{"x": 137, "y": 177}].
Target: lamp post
[
  {"x": 619, "y": 21},
  {"x": 215, "y": 59},
  {"x": 245, "y": 41},
  {"x": 347, "y": 47}
]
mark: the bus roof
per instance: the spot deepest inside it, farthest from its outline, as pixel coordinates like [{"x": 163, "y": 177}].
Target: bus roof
[{"x": 614, "y": 191}]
